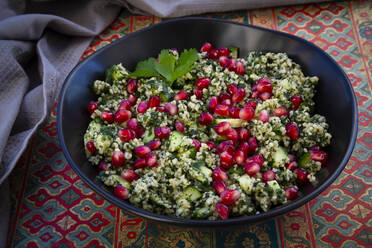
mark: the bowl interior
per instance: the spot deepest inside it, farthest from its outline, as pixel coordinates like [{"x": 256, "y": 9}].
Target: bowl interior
[{"x": 334, "y": 99}]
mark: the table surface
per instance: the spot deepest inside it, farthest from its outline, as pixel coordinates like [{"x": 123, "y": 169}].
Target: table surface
[{"x": 52, "y": 207}]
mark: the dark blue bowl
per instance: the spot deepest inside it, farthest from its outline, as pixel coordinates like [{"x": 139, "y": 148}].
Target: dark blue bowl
[{"x": 335, "y": 99}]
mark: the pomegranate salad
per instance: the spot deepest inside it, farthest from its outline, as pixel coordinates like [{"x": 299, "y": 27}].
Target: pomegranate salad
[{"x": 207, "y": 135}]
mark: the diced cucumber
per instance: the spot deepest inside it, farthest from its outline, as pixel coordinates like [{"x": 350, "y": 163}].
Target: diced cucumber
[
  {"x": 246, "y": 183},
  {"x": 305, "y": 160},
  {"x": 279, "y": 157},
  {"x": 234, "y": 51},
  {"x": 191, "y": 193},
  {"x": 203, "y": 172},
  {"x": 148, "y": 136},
  {"x": 201, "y": 213},
  {"x": 175, "y": 139},
  {"x": 122, "y": 181},
  {"x": 206, "y": 171},
  {"x": 189, "y": 153},
  {"x": 233, "y": 122},
  {"x": 274, "y": 185}
]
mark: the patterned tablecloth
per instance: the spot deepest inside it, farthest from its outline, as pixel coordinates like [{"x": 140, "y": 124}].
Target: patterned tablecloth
[{"x": 52, "y": 207}]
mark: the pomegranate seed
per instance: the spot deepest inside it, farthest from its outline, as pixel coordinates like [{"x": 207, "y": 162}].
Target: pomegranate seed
[
  {"x": 132, "y": 99},
  {"x": 212, "y": 103},
  {"x": 319, "y": 156},
  {"x": 132, "y": 86},
  {"x": 219, "y": 174},
  {"x": 121, "y": 192},
  {"x": 202, "y": 83},
  {"x": 232, "y": 88},
  {"x": 103, "y": 166},
  {"x": 239, "y": 157},
  {"x": 210, "y": 144},
  {"x": 227, "y": 102},
  {"x": 162, "y": 132},
  {"x": 258, "y": 159},
  {"x": 179, "y": 127},
  {"x": 206, "y": 47},
  {"x": 221, "y": 146},
  {"x": 301, "y": 176},
  {"x": 234, "y": 112},
  {"x": 155, "y": 144},
  {"x": 219, "y": 186},
  {"x": 91, "y": 147},
  {"x": 244, "y": 146},
  {"x": 238, "y": 96},
  {"x": 314, "y": 148},
  {"x": 139, "y": 132},
  {"x": 296, "y": 101},
  {"x": 222, "y": 210},
  {"x": 213, "y": 54},
  {"x": 129, "y": 175},
  {"x": 126, "y": 135},
  {"x": 232, "y": 65},
  {"x": 124, "y": 105},
  {"x": 264, "y": 96},
  {"x": 171, "y": 108},
  {"x": 224, "y": 96},
  {"x": 252, "y": 145},
  {"x": 154, "y": 101},
  {"x": 291, "y": 157},
  {"x": 240, "y": 68},
  {"x": 251, "y": 103},
  {"x": 142, "y": 107},
  {"x": 230, "y": 196},
  {"x": 139, "y": 163},
  {"x": 252, "y": 168},
  {"x": 292, "y": 131},
  {"x": 133, "y": 124},
  {"x": 107, "y": 116},
  {"x": 291, "y": 193},
  {"x": 117, "y": 158},
  {"x": 280, "y": 111},
  {"x": 160, "y": 108},
  {"x": 205, "y": 118},
  {"x": 224, "y": 61},
  {"x": 151, "y": 160},
  {"x": 264, "y": 85},
  {"x": 182, "y": 95},
  {"x": 264, "y": 116},
  {"x": 222, "y": 127},
  {"x": 223, "y": 51},
  {"x": 198, "y": 94},
  {"x": 196, "y": 144},
  {"x": 232, "y": 134},
  {"x": 122, "y": 115},
  {"x": 222, "y": 110},
  {"x": 268, "y": 176},
  {"x": 255, "y": 94},
  {"x": 226, "y": 160},
  {"x": 243, "y": 133},
  {"x": 292, "y": 165},
  {"x": 246, "y": 113},
  {"x": 229, "y": 149},
  {"x": 92, "y": 106},
  {"x": 142, "y": 151}
]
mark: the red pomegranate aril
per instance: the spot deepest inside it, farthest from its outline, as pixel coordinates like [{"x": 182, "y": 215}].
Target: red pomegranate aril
[
  {"x": 160, "y": 108},
  {"x": 210, "y": 144},
  {"x": 171, "y": 108},
  {"x": 280, "y": 111},
  {"x": 122, "y": 115},
  {"x": 224, "y": 61},
  {"x": 239, "y": 157},
  {"x": 226, "y": 160},
  {"x": 244, "y": 146},
  {"x": 132, "y": 99},
  {"x": 139, "y": 132},
  {"x": 142, "y": 151},
  {"x": 126, "y": 135},
  {"x": 240, "y": 68},
  {"x": 133, "y": 124},
  {"x": 205, "y": 118},
  {"x": 258, "y": 159},
  {"x": 107, "y": 116},
  {"x": 292, "y": 165},
  {"x": 132, "y": 85},
  {"x": 301, "y": 176},
  {"x": 213, "y": 102},
  {"x": 243, "y": 134},
  {"x": 219, "y": 174},
  {"x": 139, "y": 163},
  {"x": 238, "y": 96},
  {"x": 291, "y": 157},
  {"x": 121, "y": 192},
  {"x": 223, "y": 51},
  {"x": 198, "y": 93},
  {"x": 292, "y": 131},
  {"x": 246, "y": 114},
  {"x": 268, "y": 176},
  {"x": 221, "y": 146},
  {"x": 202, "y": 83},
  {"x": 151, "y": 160},
  {"x": 179, "y": 127},
  {"x": 154, "y": 101},
  {"x": 222, "y": 110},
  {"x": 232, "y": 134},
  {"x": 252, "y": 145},
  {"x": 319, "y": 156},
  {"x": 142, "y": 107},
  {"x": 234, "y": 112},
  {"x": 155, "y": 144},
  {"x": 232, "y": 88},
  {"x": 252, "y": 168},
  {"x": 213, "y": 54},
  {"x": 224, "y": 96},
  {"x": 255, "y": 94},
  {"x": 222, "y": 127},
  {"x": 182, "y": 95},
  {"x": 219, "y": 186},
  {"x": 129, "y": 175},
  {"x": 124, "y": 105},
  {"x": 103, "y": 166},
  {"x": 206, "y": 47},
  {"x": 232, "y": 65},
  {"x": 197, "y": 144},
  {"x": 264, "y": 96},
  {"x": 251, "y": 103},
  {"x": 264, "y": 85},
  {"x": 162, "y": 132},
  {"x": 230, "y": 149},
  {"x": 264, "y": 116},
  {"x": 227, "y": 102},
  {"x": 117, "y": 158},
  {"x": 296, "y": 101},
  {"x": 230, "y": 196},
  {"x": 291, "y": 193},
  {"x": 92, "y": 106},
  {"x": 222, "y": 210},
  {"x": 314, "y": 148},
  {"x": 91, "y": 147}
]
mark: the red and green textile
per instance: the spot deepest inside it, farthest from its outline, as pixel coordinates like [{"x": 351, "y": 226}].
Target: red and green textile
[{"x": 52, "y": 207}]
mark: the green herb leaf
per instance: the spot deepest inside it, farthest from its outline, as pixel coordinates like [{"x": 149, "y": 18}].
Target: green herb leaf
[
  {"x": 165, "y": 65},
  {"x": 186, "y": 62},
  {"x": 145, "y": 68}
]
